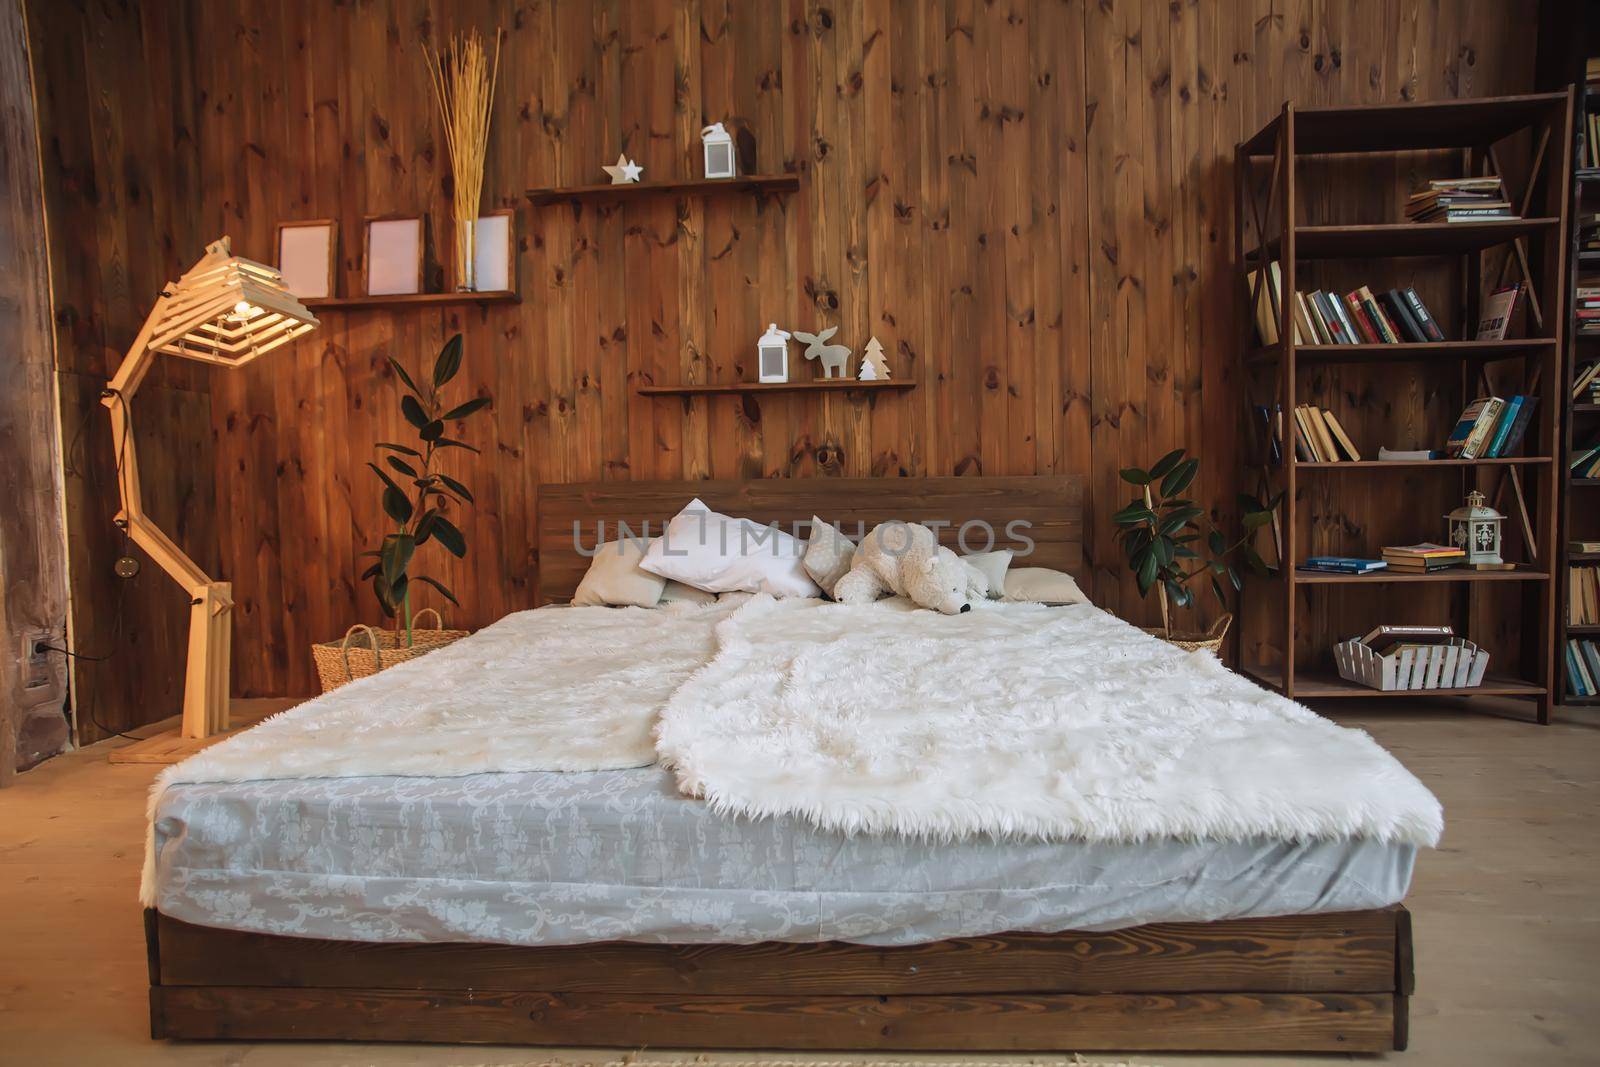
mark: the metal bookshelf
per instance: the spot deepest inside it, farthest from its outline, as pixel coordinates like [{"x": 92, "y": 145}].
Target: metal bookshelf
[{"x": 1475, "y": 133}]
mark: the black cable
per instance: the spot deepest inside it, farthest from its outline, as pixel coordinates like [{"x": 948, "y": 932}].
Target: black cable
[{"x": 42, "y": 647}]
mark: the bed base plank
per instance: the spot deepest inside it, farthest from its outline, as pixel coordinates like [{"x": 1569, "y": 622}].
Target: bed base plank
[
  {"x": 1313, "y": 983},
  {"x": 1351, "y": 952},
  {"x": 1266, "y": 1022}
]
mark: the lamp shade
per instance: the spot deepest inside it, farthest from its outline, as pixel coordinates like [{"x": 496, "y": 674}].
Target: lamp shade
[{"x": 228, "y": 310}]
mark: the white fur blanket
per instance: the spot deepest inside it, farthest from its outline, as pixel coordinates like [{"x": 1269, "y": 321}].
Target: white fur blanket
[{"x": 1016, "y": 719}]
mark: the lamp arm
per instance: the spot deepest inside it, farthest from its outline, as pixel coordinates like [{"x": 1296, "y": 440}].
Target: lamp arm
[{"x": 117, "y": 398}]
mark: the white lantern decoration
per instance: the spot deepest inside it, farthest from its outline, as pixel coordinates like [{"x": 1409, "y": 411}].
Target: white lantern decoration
[
  {"x": 1475, "y": 528},
  {"x": 719, "y": 151},
  {"x": 772, "y": 355}
]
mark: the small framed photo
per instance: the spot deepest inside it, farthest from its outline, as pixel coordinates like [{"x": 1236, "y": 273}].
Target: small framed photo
[
  {"x": 494, "y": 255},
  {"x": 308, "y": 257},
  {"x": 394, "y": 255}
]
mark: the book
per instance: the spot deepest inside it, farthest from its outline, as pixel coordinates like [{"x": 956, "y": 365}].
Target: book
[
  {"x": 1408, "y": 455},
  {"x": 1395, "y": 305},
  {"x": 1519, "y": 429},
  {"x": 1502, "y": 429},
  {"x": 1424, "y": 550},
  {"x": 1497, "y": 311},
  {"x": 1364, "y": 324},
  {"x": 1467, "y": 439},
  {"x": 1342, "y": 565},
  {"x": 1380, "y": 322},
  {"x": 1324, "y": 437},
  {"x": 1425, "y": 320},
  {"x": 1306, "y": 436},
  {"x": 1342, "y": 438}
]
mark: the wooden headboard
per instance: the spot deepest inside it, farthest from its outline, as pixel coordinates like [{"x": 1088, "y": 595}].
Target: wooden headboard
[{"x": 1047, "y": 509}]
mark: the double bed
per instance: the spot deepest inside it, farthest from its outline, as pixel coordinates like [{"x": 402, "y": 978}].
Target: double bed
[{"x": 491, "y": 903}]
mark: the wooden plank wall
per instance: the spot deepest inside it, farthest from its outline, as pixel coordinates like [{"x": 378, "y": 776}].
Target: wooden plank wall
[
  {"x": 33, "y": 545},
  {"x": 1028, "y": 202}
]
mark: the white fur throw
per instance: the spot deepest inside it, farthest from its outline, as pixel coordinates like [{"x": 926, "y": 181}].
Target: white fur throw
[{"x": 1016, "y": 719}]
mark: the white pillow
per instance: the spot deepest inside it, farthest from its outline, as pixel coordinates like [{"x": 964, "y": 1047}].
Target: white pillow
[
  {"x": 614, "y": 578},
  {"x": 719, "y": 554},
  {"x": 992, "y": 565},
  {"x": 1041, "y": 585},
  {"x": 829, "y": 554},
  {"x": 677, "y": 592}
]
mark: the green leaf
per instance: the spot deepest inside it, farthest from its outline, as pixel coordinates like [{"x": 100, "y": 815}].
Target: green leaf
[
  {"x": 1164, "y": 548},
  {"x": 457, "y": 488},
  {"x": 1180, "y": 477},
  {"x": 449, "y": 361},
  {"x": 1233, "y": 576},
  {"x": 424, "y": 528},
  {"x": 1174, "y": 521},
  {"x": 402, "y": 466},
  {"x": 461, "y": 411},
  {"x": 412, "y": 410},
  {"x": 376, "y": 568},
  {"x": 1179, "y": 594},
  {"x": 1257, "y": 565},
  {"x": 396, "y": 505},
  {"x": 1133, "y": 514},
  {"x": 1257, "y": 519},
  {"x": 1216, "y": 587},
  {"x": 1136, "y": 476},
  {"x": 388, "y": 481},
  {"x": 1184, "y": 552},
  {"x": 1218, "y": 545},
  {"x": 445, "y": 532},
  {"x": 1147, "y": 573},
  {"x": 432, "y": 431},
  {"x": 400, "y": 372},
  {"x": 445, "y": 442},
  {"x": 404, "y": 450},
  {"x": 397, "y": 552},
  {"x": 1165, "y": 464},
  {"x": 385, "y": 595},
  {"x": 448, "y": 595}
]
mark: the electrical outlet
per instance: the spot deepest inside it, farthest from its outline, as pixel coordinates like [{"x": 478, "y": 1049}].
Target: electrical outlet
[{"x": 36, "y": 661}]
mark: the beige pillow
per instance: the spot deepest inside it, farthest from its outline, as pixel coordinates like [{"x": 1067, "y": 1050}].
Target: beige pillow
[
  {"x": 993, "y": 566},
  {"x": 1041, "y": 585},
  {"x": 676, "y": 592},
  {"x": 615, "y": 578},
  {"x": 828, "y": 555}
]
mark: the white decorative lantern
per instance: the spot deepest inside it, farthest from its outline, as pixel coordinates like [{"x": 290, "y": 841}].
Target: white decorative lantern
[
  {"x": 719, "y": 151},
  {"x": 1475, "y": 528},
  {"x": 772, "y": 355}
]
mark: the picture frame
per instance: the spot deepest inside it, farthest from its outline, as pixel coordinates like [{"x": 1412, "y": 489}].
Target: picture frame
[
  {"x": 495, "y": 251},
  {"x": 308, "y": 257},
  {"x": 393, "y": 255}
]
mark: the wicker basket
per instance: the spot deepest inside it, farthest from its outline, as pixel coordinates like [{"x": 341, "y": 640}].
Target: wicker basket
[
  {"x": 365, "y": 651},
  {"x": 1210, "y": 641}
]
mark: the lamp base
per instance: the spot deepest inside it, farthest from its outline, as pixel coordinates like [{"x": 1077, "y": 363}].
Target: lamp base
[{"x": 166, "y": 744}]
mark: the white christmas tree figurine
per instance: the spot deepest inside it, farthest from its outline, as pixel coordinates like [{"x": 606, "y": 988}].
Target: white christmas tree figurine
[{"x": 873, "y": 367}]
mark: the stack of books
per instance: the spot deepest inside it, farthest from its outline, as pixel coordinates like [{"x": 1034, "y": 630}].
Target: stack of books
[
  {"x": 1589, "y": 233},
  {"x": 1587, "y": 462},
  {"x": 1583, "y": 668},
  {"x": 1491, "y": 428},
  {"x": 1360, "y": 317},
  {"x": 1586, "y": 306},
  {"x": 1424, "y": 558},
  {"x": 1583, "y": 596},
  {"x": 1321, "y": 439},
  {"x": 1459, "y": 200},
  {"x": 1342, "y": 565},
  {"x": 1587, "y": 382},
  {"x": 1583, "y": 546}
]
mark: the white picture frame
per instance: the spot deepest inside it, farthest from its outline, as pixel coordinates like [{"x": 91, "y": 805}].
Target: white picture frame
[
  {"x": 308, "y": 257},
  {"x": 394, "y": 256},
  {"x": 493, "y": 252}
]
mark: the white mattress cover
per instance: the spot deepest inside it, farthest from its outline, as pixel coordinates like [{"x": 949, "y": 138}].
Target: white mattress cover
[{"x": 544, "y": 858}]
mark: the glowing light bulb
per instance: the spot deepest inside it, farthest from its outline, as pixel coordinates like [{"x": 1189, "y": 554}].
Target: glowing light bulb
[{"x": 242, "y": 309}]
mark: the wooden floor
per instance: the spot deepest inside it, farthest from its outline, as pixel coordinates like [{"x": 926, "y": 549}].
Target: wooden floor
[{"x": 1507, "y": 912}]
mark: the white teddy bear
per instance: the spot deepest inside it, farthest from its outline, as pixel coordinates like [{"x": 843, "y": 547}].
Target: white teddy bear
[{"x": 907, "y": 561}]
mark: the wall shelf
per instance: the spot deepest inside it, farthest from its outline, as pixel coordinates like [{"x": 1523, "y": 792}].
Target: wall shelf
[
  {"x": 401, "y": 300},
  {"x": 758, "y": 184},
  {"x": 1409, "y": 350},
  {"x": 1395, "y": 239},
  {"x": 1317, "y": 685},
  {"x": 1414, "y": 464},
  {"x": 1453, "y": 574},
  {"x": 816, "y": 385}
]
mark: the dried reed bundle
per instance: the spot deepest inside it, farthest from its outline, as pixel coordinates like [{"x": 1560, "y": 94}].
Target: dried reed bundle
[{"x": 463, "y": 84}]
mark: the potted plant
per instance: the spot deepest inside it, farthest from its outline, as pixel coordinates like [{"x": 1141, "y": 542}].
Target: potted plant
[
  {"x": 1167, "y": 548},
  {"x": 418, "y": 498}
]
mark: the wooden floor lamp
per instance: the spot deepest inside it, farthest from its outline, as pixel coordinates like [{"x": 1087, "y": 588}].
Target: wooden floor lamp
[{"x": 225, "y": 310}]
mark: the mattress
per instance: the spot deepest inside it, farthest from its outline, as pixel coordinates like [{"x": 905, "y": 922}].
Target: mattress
[{"x": 542, "y": 858}]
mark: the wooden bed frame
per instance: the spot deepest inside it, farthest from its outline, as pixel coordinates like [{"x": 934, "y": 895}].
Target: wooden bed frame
[{"x": 1314, "y": 983}]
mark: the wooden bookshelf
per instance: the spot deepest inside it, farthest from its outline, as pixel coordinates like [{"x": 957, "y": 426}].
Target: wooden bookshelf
[{"x": 1397, "y": 394}]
